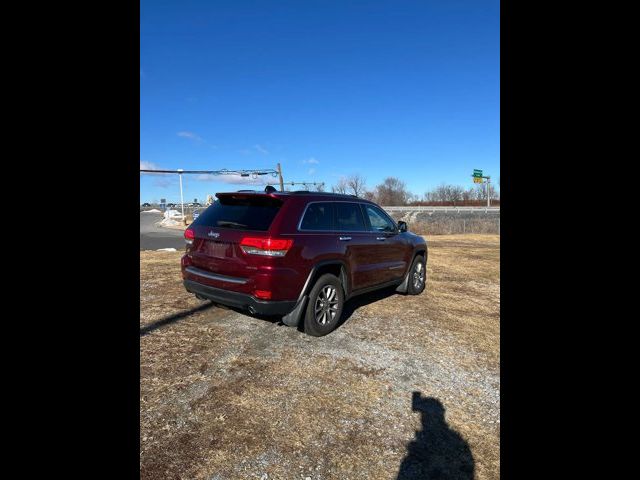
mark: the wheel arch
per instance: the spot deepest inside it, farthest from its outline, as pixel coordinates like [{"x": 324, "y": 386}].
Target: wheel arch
[
  {"x": 337, "y": 268},
  {"x": 421, "y": 250}
]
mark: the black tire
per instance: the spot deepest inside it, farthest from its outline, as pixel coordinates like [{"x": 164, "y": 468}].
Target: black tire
[
  {"x": 328, "y": 295},
  {"x": 417, "y": 276}
]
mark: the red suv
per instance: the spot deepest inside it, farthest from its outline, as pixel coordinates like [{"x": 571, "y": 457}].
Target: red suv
[{"x": 299, "y": 255}]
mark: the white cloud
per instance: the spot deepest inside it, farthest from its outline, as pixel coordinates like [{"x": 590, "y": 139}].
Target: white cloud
[
  {"x": 261, "y": 149},
  {"x": 190, "y": 135},
  {"x": 144, "y": 165},
  {"x": 311, "y": 171},
  {"x": 161, "y": 180},
  {"x": 311, "y": 161}
]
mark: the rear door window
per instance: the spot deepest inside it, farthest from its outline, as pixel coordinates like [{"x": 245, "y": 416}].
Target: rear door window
[
  {"x": 349, "y": 217},
  {"x": 318, "y": 216},
  {"x": 240, "y": 212}
]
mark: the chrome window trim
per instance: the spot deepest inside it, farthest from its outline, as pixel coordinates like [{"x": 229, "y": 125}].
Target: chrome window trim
[{"x": 302, "y": 230}]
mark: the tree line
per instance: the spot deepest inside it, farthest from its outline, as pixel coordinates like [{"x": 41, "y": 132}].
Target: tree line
[{"x": 393, "y": 192}]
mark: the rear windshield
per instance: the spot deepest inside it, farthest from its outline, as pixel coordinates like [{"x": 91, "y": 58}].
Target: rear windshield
[{"x": 242, "y": 213}]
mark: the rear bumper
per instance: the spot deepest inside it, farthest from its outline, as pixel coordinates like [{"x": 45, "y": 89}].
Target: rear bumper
[{"x": 239, "y": 300}]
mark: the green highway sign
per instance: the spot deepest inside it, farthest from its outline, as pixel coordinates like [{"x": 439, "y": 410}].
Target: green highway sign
[{"x": 477, "y": 173}]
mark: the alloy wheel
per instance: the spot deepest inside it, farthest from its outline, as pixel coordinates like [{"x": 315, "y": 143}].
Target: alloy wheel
[{"x": 326, "y": 306}]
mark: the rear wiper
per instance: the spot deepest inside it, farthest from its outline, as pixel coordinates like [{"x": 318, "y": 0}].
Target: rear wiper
[{"x": 226, "y": 223}]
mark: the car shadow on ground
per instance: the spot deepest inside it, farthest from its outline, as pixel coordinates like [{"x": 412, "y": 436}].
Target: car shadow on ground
[
  {"x": 173, "y": 318},
  {"x": 359, "y": 301},
  {"x": 347, "y": 311},
  {"x": 437, "y": 451}
]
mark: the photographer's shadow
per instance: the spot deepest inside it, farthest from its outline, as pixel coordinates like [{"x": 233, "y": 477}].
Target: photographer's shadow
[{"x": 437, "y": 451}]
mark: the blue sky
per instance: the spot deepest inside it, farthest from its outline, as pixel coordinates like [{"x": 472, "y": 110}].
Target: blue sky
[{"x": 389, "y": 88}]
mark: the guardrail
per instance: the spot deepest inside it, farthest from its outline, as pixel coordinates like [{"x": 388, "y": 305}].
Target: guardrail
[
  {"x": 442, "y": 209},
  {"x": 391, "y": 209}
]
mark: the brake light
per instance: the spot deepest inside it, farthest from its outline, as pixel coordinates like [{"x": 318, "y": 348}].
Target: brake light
[
  {"x": 189, "y": 236},
  {"x": 271, "y": 247}
]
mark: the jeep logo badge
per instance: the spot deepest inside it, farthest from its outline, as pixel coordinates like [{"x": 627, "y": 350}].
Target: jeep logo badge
[{"x": 213, "y": 234}]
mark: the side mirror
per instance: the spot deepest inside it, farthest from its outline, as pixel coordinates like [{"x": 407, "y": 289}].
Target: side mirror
[{"x": 402, "y": 226}]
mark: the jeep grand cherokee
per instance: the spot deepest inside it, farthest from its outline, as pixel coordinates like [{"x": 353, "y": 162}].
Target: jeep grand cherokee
[{"x": 299, "y": 255}]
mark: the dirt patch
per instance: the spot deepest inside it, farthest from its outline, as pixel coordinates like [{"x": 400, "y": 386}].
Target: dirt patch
[{"x": 226, "y": 396}]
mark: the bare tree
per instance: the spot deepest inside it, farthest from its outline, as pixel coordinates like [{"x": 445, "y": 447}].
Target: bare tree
[
  {"x": 413, "y": 199},
  {"x": 430, "y": 196},
  {"x": 369, "y": 195},
  {"x": 357, "y": 184},
  {"x": 391, "y": 192},
  {"x": 446, "y": 194},
  {"x": 320, "y": 187},
  {"x": 442, "y": 193},
  {"x": 341, "y": 187},
  {"x": 456, "y": 195},
  {"x": 480, "y": 192}
]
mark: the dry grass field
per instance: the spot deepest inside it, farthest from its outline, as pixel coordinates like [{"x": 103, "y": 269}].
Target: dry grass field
[{"x": 227, "y": 396}]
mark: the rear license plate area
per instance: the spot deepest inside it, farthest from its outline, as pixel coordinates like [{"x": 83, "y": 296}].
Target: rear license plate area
[{"x": 218, "y": 249}]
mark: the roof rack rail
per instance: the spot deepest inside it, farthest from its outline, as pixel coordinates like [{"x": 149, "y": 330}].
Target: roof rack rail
[
  {"x": 267, "y": 189},
  {"x": 325, "y": 193}
]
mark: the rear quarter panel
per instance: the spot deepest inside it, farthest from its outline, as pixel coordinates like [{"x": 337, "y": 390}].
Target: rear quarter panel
[{"x": 309, "y": 248}]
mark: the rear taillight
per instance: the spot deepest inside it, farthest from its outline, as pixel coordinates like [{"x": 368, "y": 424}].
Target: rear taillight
[
  {"x": 189, "y": 235},
  {"x": 271, "y": 247},
  {"x": 262, "y": 294}
]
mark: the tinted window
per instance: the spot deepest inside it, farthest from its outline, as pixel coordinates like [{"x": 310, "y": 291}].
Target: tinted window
[
  {"x": 349, "y": 217},
  {"x": 319, "y": 216},
  {"x": 244, "y": 213},
  {"x": 379, "y": 221}
]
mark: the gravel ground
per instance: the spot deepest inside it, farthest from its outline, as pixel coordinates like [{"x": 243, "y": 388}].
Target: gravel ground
[{"x": 225, "y": 395}]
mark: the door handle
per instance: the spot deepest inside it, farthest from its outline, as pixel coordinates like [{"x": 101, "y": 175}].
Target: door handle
[
  {"x": 345, "y": 238},
  {"x": 381, "y": 238}
]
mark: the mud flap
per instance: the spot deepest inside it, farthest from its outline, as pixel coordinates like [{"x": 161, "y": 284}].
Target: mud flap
[
  {"x": 292, "y": 319},
  {"x": 404, "y": 286}
]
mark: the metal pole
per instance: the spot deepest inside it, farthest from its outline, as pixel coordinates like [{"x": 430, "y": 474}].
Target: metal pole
[
  {"x": 281, "y": 180},
  {"x": 181, "y": 197},
  {"x": 488, "y": 192}
]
